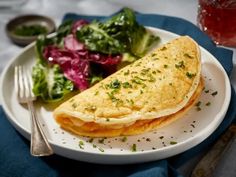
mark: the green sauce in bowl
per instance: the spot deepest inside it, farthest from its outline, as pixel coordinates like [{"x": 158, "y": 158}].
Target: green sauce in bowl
[{"x": 30, "y": 30}]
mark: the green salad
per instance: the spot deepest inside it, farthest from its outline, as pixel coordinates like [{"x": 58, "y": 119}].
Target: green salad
[{"x": 82, "y": 53}]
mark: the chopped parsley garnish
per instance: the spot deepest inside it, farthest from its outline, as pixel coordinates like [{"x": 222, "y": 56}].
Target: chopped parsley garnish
[
  {"x": 134, "y": 72},
  {"x": 91, "y": 108},
  {"x": 187, "y": 55},
  {"x": 81, "y": 144},
  {"x": 126, "y": 73},
  {"x": 134, "y": 148},
  {"x": 165, "y": 66},
  {"x": 180, "y": 65},
  {"x": 100, "y": 149},
  {"x": 198, "y": 103},
  {"x": 208, "y": 103},
  {"x": 90, "y": 140},
  {"x": 173, "y": 142},
  {"x": 136, "y": 81},
  {"x": 115, "y": 84},
  {"x": 112, "y": 97},
  {"x": 74, "y": 105},
  {"x": 163, "y": 48},
  {"x": 101, "y": 141},
  {"x": 126, "y": 85},
  {"x": 145, "y": 71},
  {"x": 199, "y": 109},
  {"x": 151, "y": 79},
  {"x": 190, "y": 75},
  {"x": 154, "y": 54},
  {"x": 136, "y": 77},
  {"x": 130, "y": 101},
  {"x": 124, "y": 139},
  {"x": 214, "y": 93}
]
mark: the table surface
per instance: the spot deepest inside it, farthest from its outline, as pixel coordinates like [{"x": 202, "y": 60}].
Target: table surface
[{"x": 55, "y": 9}]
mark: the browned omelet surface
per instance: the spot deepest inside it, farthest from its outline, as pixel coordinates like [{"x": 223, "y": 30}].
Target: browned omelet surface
[
  {"x": 92, "y": 129},
  {"x": 147, "y": 94}
]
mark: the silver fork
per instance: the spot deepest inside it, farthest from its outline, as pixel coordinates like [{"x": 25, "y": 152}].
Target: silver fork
[{"x": 39, "y": 145}]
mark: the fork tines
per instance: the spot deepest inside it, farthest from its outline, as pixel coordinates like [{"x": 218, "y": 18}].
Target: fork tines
[{"x": 23, "y": 84}]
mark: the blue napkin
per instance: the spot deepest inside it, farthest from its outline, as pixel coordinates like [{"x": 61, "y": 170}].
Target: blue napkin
[{"x": 16, "y": 161}]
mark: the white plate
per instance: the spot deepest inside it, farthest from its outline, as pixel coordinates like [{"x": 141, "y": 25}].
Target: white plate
[{"x": 189, "y": 131}]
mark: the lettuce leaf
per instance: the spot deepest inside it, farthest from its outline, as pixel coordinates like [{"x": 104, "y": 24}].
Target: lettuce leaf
[
  {"x": 49, "y": 82},
  {"x": 119, "y": 34}
]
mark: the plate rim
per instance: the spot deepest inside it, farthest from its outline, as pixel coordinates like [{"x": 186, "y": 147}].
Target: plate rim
[{"x": 201, "y": 136}]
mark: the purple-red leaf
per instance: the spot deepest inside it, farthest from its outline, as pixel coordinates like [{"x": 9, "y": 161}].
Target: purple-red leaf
[
  {"x": 74, "y": 67},
  {"x": 74, "y": 60},
  {"x": 77, "y": 25},
  {"x": 70, "y": 43}
]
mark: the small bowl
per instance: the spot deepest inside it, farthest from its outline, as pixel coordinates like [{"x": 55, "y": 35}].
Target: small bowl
[{"x": 28, "y": 20}]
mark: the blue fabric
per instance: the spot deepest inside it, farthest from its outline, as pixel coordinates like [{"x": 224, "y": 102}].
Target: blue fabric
[{"x": 16, "y": 161}]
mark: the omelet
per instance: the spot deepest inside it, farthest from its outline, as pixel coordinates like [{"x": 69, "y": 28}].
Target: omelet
[{"x": 148, "y": 94}]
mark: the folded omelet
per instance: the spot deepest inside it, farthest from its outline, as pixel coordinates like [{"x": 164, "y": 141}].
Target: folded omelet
[{"x": 145, "y": 95}]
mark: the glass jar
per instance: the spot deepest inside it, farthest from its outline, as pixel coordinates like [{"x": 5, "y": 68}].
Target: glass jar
[{"x": 218, "y": 19}]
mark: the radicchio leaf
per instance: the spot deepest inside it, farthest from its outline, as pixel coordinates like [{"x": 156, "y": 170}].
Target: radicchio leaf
[
  {"x": 75, "y": 60},
  {"x": 75, "y": 68}
]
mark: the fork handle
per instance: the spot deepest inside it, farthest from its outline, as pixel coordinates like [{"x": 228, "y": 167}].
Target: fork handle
[{"x": 39, "y": 145}]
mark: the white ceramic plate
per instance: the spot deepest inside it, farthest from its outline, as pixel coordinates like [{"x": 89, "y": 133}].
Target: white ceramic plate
[{"x": 175, "y": 138}]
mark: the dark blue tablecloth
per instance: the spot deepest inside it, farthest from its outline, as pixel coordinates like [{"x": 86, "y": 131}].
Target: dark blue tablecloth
[{"x": 16, "y": 161}]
